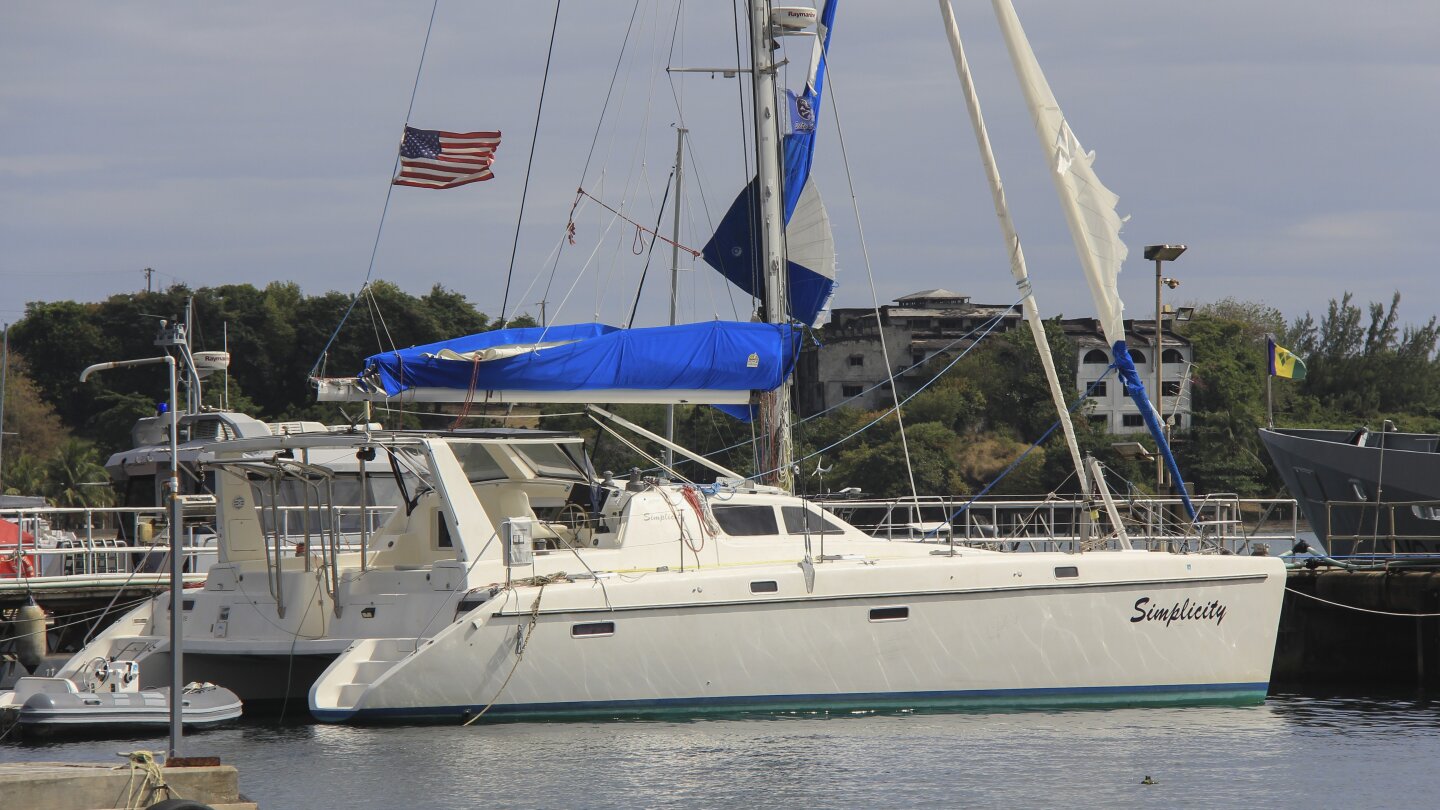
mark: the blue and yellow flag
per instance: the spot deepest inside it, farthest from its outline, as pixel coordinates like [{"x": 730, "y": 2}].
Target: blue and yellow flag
[{"x": 1285, "y": 364}]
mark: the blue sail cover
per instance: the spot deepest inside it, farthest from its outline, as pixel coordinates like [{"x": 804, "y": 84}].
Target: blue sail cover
[
  {"x": 734, "y": 250},
  {"x": 714, "y": 355}
]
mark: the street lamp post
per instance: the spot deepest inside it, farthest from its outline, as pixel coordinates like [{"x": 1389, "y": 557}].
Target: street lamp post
[
  {"x": 1161, "y": 254},
  {"x": 177, "y": 584}
]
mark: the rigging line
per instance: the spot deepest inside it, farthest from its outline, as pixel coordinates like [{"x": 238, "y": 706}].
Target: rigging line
[
  {"x": 614, "y": 74},
  {"x": 638, "y": 226},
  {"x": 697, "y": 177},
  {"x": 870, "y": 274},
  {"x": 985, "y": 328},
  {"x": 529, "y": 164},
  {"x": 599, "y": 243},
  {"x": 1046, "y": 435},
  {"x": 994, "y": 322},
  {"x": 389, "y": 189},
  {"x": 649, "y": 254},
  {"x": 379, "y": 314}
]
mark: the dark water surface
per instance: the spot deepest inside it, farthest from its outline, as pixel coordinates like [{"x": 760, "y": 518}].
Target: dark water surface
[{"x": 1310, "y": 751}]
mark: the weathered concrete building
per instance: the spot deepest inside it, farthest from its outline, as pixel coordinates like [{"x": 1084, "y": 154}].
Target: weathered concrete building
[{"x": 859, "y": 353}]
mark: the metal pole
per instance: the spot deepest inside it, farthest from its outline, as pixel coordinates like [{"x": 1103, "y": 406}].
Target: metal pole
[
  {"x": 4, "y": 375},
  {"x": 1159, "y": 392},
  {"x": 675, "y": 275},
  {"x": 177, "y": 579},
  {"x": 776, "y": 448},
  {"x": 177, "y": 582}
]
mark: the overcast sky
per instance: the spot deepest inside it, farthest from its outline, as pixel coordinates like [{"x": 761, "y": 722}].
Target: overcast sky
[{"x": 1290, "y": 144}]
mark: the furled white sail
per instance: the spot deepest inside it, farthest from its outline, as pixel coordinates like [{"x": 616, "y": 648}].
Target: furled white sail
[
  {"x": 1012, "y": 239},
  {"x": 1089, "y": 205}
]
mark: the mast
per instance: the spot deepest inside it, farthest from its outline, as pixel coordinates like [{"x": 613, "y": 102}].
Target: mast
[
  {"x": 776, "y": 449},
  {"x": 1012, "y": 240},
  {"x": 675, "y": 275},
  {"x": 4, "y": 374}
]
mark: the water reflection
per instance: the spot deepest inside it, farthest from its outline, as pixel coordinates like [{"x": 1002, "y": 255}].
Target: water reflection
[{"x": 1296, "y": 750}]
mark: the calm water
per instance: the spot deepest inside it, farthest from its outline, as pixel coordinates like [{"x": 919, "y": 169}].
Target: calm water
[{"x": 1305, "y": 751}]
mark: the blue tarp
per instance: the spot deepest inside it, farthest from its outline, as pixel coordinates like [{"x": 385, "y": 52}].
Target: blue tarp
[{"x": 714, "y": 355}]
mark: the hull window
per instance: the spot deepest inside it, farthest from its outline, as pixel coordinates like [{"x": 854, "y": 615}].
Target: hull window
[
  {"x": 765, "y": 586},
  {"x": 592, "y": 629},
  {"x": 889, "y": 614},
  {"x": 1064, "y": 571}
]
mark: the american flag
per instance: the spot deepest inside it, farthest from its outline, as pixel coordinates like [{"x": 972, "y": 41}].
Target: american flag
[{"x": 432, "y": 158}]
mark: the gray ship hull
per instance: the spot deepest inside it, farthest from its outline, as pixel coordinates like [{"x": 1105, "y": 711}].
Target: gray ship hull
[{"x": 1363, "y": 493}]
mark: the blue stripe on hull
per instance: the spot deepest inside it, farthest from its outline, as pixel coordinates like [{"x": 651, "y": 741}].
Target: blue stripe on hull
[{"x": 984, "y": 699}]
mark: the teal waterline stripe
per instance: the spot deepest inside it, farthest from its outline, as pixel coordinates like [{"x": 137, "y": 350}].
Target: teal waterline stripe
[{"x": 1047, "y": 697}]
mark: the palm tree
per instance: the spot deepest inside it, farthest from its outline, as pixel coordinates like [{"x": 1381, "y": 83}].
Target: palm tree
[
  {"x": 24, "y": 475},
  {"x": 75, "y": 477}
]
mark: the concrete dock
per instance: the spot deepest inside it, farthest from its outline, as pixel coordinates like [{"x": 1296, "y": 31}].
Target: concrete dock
[
  {"x": 1361, "y": 628},
  {"x": 93, "y": 786}
]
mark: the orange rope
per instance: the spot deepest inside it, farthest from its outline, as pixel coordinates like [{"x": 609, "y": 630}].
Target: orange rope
[{"x": 639, "y": 229}]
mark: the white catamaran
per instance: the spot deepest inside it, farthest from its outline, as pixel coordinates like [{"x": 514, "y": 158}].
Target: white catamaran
[{"x": 516, "y": 581}]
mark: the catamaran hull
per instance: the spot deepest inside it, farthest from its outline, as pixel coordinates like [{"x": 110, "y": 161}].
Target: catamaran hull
[
  {"x": 1022, "y": 638},
  {"x": 1337, "y": 483}
]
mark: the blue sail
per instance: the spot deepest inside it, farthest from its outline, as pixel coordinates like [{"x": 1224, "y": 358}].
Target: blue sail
[
  {"x": 734, "y": 250},
  {"x": 725, "y": 358}
]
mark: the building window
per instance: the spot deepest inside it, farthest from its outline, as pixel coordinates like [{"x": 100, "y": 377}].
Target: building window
[
  {"x": 1171, "y": 388},
  {"x": 1097, "y": 357},
  {"x": 850, "y": 391},
  {"x": 1137, "y": 356},
  {"x": 1132, "y": 420},
  {"x": 857, "y": 359},
  {"x": 1172, "y": 356},
  {"x": 1098, "y": 388},
  {"x": 1100, "y": 421}
]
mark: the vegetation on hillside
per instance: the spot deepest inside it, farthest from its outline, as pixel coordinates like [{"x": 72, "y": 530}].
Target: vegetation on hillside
[{"x": 982, "y": 418}]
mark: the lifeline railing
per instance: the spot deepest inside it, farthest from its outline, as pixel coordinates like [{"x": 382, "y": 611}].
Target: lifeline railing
[
  {"x": 1227, "y": 523},
  {"x": 103, "y": 543}
]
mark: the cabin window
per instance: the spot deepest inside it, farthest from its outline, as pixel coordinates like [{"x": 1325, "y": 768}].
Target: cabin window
[
  {"x": 1137, "y": 356},
  {"x": 889, "y": 614},
  {"x": 548, "y": 459},
  {"x": 1132, "y": 420},
  {"x": 765, "y": 586},
  {"x": 746, "y": 521},
  {"x": 477, "y": 462},
  {"x": 799, "y": 520},
  {"x": 442, "y": 532},
  {"x": 592, "y": 629},
  {"x": 1097, "y": 388},
  {"x": 1097, "y": 357},
  {"x": 1066, "y": 571},
  {"x": 857, "y": 359},
  {"x": 1172, "y": 356}
]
